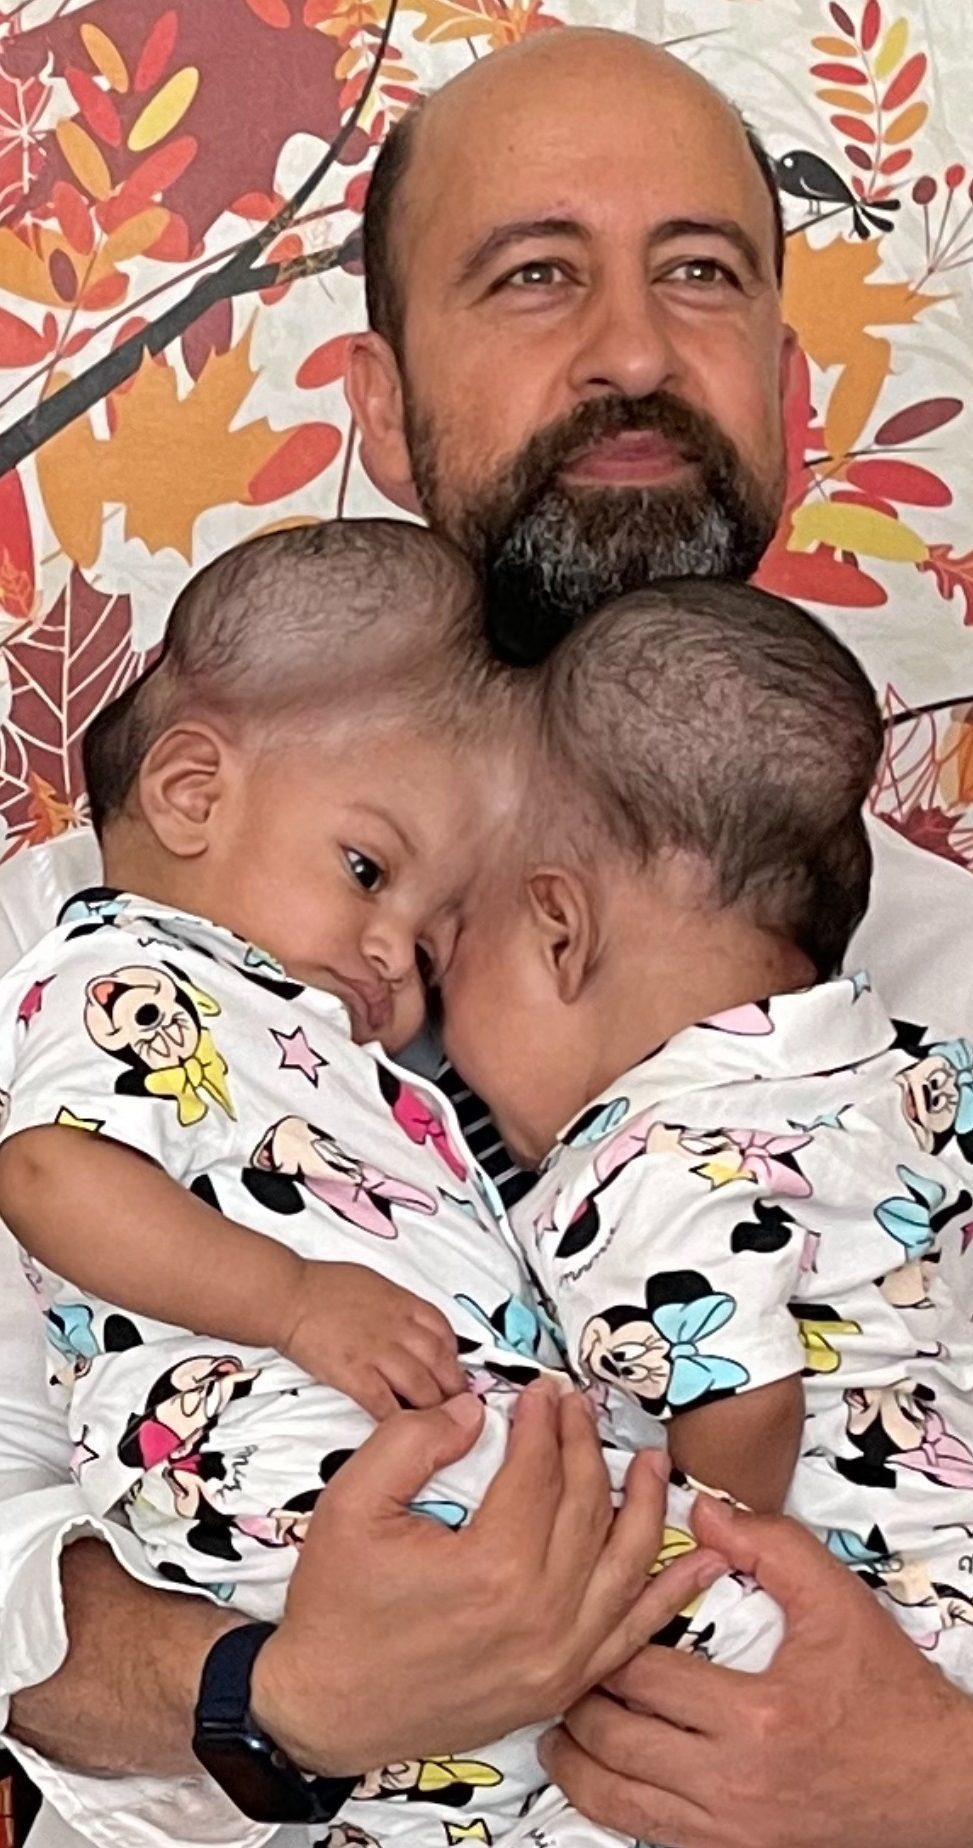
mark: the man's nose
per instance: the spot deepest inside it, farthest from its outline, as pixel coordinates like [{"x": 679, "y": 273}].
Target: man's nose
[{"x": 627, "y": 348}]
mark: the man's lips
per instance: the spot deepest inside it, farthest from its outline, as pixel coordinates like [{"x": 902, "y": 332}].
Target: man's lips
[{"x": 635, "y": 458}]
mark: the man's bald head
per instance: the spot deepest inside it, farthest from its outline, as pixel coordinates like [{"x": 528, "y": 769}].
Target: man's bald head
[{"x": 468, "y": 105}]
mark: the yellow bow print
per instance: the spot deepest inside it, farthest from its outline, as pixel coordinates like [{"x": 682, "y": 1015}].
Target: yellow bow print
[{"x": 204, "y": 1070}]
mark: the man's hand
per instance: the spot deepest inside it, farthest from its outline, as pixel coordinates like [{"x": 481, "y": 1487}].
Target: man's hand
[
  {"x": 402, "y": 1638},
  {"x": 371, "y": 1339},
  {"x": 851, "y": 1735}
]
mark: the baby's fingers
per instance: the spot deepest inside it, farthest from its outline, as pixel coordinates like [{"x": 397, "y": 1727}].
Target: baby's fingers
[
  {"x": 413, "y": 1381},
  {"x": 431, "y": 1339}
]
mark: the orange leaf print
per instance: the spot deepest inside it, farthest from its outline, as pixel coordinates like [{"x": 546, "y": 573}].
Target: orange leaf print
[
  {"x": 85, "y": 158},
  {"x": 833, "y": 304},
  {"x": 170, "y": 458},
  {"x": 106, "y": 57},
  {"x": 907, "y": 124}
]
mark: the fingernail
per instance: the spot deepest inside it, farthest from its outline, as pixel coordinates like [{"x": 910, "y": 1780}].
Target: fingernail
[
  {"x": 658, "y": 1462},
  {"x": 464, "y": 1410}
]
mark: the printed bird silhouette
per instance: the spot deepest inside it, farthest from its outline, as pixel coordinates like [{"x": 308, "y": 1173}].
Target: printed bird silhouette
[{"x": 806, "y": 176}]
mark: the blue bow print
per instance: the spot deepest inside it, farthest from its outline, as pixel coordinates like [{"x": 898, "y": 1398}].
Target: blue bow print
[
  {"x": 69, "y": 1331},
  {"x": 909, "y": 1221},
  {"x": 607, "y": 1119},
  {"x": 450, "y": 1513},
  {"x": 959, "y": 1054},
  {"x": 695, "y": 1374},
  {"x": 519, "y": 1330},
  {"x": 851, "y": 1549}
]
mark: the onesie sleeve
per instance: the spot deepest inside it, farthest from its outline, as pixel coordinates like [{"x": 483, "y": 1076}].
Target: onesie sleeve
[
  {"x": 112, "y": 1035},
  {"x": 670, "y": 1261}
]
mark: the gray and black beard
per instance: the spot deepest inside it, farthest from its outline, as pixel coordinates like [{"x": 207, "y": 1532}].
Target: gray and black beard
[{"x": 549, "y": 555}]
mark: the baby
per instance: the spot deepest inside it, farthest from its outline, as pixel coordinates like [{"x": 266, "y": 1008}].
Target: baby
[
  {"x": 754, "y": 1197},
  {"x": 225, "y": 1187}
]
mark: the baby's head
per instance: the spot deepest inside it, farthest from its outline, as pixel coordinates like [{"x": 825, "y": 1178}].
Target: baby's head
[
  {"x": 694, "y": 840},
  {"x": 315, "y": 760}
]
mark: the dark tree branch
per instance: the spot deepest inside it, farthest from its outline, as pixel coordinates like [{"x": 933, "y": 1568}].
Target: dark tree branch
[{"x": 236, "y": 277}]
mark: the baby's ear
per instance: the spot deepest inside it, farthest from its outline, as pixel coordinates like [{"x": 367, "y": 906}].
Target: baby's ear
[
  {"x": 181, "y": 780},
  {"x": 563, "y": 915}
]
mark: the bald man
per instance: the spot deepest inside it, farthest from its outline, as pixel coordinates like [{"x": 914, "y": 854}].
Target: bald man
[{"x": 575, "y": 367}]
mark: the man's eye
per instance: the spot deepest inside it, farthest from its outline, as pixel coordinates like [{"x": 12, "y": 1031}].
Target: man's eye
[
  {"x": 540, "y": 274},
  {"x": 703, "y": 272},
  {"x": 368, "y": 875}
]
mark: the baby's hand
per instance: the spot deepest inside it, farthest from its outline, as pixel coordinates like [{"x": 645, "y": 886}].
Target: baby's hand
[{"x": 373, "y": 1340}]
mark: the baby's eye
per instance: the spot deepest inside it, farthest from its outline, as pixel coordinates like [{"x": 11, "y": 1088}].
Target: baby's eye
[{"x": 367, "y": 872}]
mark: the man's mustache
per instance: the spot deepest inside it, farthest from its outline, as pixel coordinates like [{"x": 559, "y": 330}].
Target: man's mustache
[{"x": 688, "y": 430}]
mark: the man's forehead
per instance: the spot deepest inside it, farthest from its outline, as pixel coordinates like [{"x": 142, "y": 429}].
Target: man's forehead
[{"x": 642, "y": 139}]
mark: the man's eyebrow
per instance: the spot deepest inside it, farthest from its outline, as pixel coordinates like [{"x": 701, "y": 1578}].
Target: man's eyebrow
[
  {"x": 726, "y": 228},
  {"x": 516, "y": 231}
]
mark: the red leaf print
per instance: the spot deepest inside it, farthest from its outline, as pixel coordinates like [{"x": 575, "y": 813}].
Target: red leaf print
[
  {"x": 272, "y": 12},
  {"x": 96, "y": 107},
  {"x": 918, "y": 420},
  {"x": 929, "y": 828},
  {"x": 73, "y": 214},
  {"x": 849, "y": 497},
  {"x": 212, "y": 333},
  {"x": 859, "y": 158},
  {"x": 905, "y": 81},
  {"x": 23, "y": 99},
  {"x": 21, "y": 344},
  {"x": 325, "y": 364},
  {"x": 843, "y": 21},
  {"x": 871, "y": 24},
  {"x": 900, "y": 481},
  {"x": 156, "y": 51},
  {"x": 953, "y": 573},
  {"x": 839, "y": 73},
  {"x": 894, "y": 163},
  {"x": 308, "y": 449},
  {"x": 16, "y": 549},
  {"x": 855, "y": 128},
  {"x": 819, "y": 577},
  {"x": 61, "y": 674}
]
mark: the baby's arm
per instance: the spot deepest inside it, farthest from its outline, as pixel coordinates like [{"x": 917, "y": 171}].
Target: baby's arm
[
  {"x": 747, "y": 1445},
  {"x": 112, "y": 1222},
  {"x": 672, "y": 1284}
]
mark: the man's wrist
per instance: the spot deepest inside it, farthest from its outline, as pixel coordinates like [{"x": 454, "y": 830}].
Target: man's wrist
[{"x": 276, "y": 1707}]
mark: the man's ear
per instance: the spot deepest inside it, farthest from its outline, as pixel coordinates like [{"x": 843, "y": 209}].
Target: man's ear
[
  {"x": 789, "y": 348},
  {"x": 183, "y": 775},
  {"x": 563, "y": 915},
  {"x": 373, "y": 388}
]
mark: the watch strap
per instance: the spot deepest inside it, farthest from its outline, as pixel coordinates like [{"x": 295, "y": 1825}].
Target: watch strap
[{"x": 239, "y": 1755}]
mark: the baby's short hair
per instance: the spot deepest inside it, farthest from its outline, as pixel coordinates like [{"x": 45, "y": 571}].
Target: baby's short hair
[
  {"x": 715, "y": 720},
  {"x": 368, "y": 616}
]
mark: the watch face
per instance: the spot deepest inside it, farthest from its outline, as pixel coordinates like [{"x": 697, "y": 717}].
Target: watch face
[{"x": 242, "y": 1759}]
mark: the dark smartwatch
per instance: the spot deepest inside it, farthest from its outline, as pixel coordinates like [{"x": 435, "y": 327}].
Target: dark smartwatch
[{"x": 252, "y": 1769}]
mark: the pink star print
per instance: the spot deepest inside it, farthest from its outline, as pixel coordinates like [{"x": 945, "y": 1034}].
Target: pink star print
[
  {"x": 298, "y": 1055},
  {"x": 33, "y": 1000}
]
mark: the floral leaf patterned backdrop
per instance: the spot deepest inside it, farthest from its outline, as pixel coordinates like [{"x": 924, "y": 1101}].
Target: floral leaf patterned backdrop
[{"x": 181, "y": 184}]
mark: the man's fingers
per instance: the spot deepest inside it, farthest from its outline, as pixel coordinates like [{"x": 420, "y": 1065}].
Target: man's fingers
[
  {"x": 682, "y": 1688},
  {"x": 666, "y": 1595},
  {"x": 584, "y": 1516},
  {"x": 397, "y": 1460},
  {"x": 521, "y": 1503},
  {"x": 637, "y": 1745},
  {"x": 616, "y": 1802},
  {"x": 787, "y": 1561}
]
